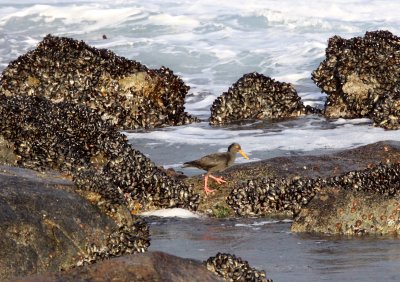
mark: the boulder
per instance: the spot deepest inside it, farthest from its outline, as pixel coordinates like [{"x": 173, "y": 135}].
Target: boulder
[
  {"x": 122, "y": 91},
  {"x": 255, "y": 96},
  {"x": 45, "y": 226},
  {"x": 359, "y": 72},
  {"x": 149, "y": 266}
]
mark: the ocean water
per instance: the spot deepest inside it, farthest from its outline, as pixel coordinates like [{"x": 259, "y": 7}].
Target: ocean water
[
  {"x": 285, "y": 256},
  {"x": 210, "y": 45}
]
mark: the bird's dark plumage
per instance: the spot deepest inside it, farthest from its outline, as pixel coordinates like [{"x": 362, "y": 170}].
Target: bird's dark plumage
[{"x": 216, "y": 162}]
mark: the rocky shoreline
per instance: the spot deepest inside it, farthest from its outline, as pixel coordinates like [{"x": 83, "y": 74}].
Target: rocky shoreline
[
  {"x": 73, "y": 186},
  {"x": 351, "y": 211}
]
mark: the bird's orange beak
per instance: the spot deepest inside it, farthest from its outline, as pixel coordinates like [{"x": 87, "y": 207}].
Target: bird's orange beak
[{"x": 243, "y": 154}]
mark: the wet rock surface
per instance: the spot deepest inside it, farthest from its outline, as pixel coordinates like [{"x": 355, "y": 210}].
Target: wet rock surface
[
  {"x": 124, "y": 92},
  {"x": 359, "y": 72},
  {"x": 150, "y": 266},
  {"x": 255, "y": 96},
  {"x": 45, "y": 226}
]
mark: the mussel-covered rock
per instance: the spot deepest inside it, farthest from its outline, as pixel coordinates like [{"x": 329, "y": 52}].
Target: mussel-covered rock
[
  {"x": 271, "y": 195},
  {"x": 123, "y": 91},
  {"x": 359, "y": 72},
  {"x": 73, "y": 138},
  {"x": 233, "y": 268},
  {"x": 255, "y": 96},
  {"x": 45, "y": 226}
]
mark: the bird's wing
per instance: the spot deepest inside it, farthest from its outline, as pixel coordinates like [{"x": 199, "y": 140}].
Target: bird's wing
[{"x": 213, "y": 160}]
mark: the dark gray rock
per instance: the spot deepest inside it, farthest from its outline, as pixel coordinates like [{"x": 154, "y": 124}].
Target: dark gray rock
[
  {"x": 44, "y": 227},
  {"x": 150, "y": 266}
]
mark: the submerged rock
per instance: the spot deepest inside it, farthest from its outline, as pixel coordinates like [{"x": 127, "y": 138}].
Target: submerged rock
[
  {"x": 124, "y": 92},
  {"x": 150, "y": 266},
  {"x": 359, "y": 72},
  {"x": 74, "y": 139},
  {"x": 233, "y": 268},
  {"x": 255, "y": 96},
  {"x": 45, "y": 226}
]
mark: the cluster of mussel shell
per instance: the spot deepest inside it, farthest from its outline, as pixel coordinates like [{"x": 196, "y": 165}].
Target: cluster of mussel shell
[
  {"x": 233, "y": 268},
  {"x": 74, "y": 139},
  {"x": 256, "y": 96},
  {"x": 124, "y": 92},
  {"x": 359, "y": 76},
  {"x": 382, "y": 179},
  {"x": 387, "y": 110},
  {"x": 270, "y": 195},
  {"x": 263, "y": 196},
  {"x": 126, "y": 239}
]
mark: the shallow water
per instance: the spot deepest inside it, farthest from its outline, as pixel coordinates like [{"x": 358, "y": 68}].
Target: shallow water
[{"x": 285, "y": 256}]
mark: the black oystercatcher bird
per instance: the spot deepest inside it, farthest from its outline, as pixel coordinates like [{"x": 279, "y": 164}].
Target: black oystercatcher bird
[{"x": 215, "y": 163}]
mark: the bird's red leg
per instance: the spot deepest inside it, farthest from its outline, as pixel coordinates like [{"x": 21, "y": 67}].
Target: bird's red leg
[
  {"x": 219, "y": 180},
  {"x": 206, "y": 189}
]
